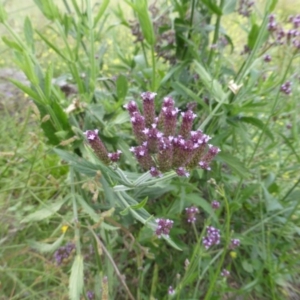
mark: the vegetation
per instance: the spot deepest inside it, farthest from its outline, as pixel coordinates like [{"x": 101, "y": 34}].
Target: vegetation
[{"x": 151, "y": 151}]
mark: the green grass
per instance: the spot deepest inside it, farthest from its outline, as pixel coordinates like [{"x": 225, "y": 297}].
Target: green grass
[{"x": 257, "y": 184}]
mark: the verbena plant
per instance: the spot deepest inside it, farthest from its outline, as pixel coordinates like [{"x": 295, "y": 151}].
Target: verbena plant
[{"x": 147, "y": 199}]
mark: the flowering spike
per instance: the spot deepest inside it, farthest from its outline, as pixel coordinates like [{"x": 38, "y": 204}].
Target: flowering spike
[
  {"x": 132, "y": 108},
  {"x": 182, "y": 172},
  {"x": 153, "y": 137},
  {"x": 215, "y": 204},
  {"x": 165, "y": 154},
  {"x": 191, "y": 213},
  {"x": 225, "y": 273},
  {"x": 143, "y": 157},
  {"x": 170, "y": 118},
  {"x": 234, "y": 243},
  {"x": 149, "y": 108},
  {"x": 138, "y": 126},
  {"x": 97, "y": 145},
  {"x": 62, "y": 254},
  {"x": 115, "y": 156},
  {"x": 187, "y": 123},
  {"x": 212, "y": 237},
  {"x": 155, "y": 173},
  {"x": 163, "y": 227}
]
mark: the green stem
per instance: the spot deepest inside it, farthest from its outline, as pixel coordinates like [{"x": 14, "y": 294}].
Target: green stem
[
  {"x": 216, "y": 34},
  {"x": 75, "y": 213},
  {"x": 153, "y": 69},
  {"x": 272, "y": 111},
  {"x": 227, "y": 237}
]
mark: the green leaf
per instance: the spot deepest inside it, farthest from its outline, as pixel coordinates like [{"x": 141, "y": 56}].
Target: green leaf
[
  {"x": 122, "y": 87},
  {"x": 48, "y": 81},
  {"x": 87, "y": 209},
  {"x": 259, "y": 124},
  {"x": 45, "y": 212},
  {"x": 3, "y": 14},
  {"x": 213, "y": 7},
  {"x": 186, "y": 92},
  {"x": 234, "y": 163},
  {"x": 252, "y": 36},
  {"x": 272, "y": 6},
  {"x": 211, "y": 84},
  {"x": 247, "y": 266},
  {"x": 198, "y": 201},
  {"x": 229, "y": 7},
  {"x": 76, "y": 278},
  {"x": 101, "y": 11},
  {"x": 271, "y": 202},
  {"x": 46, "y": 248},
  {"x": 11, "y": 44},
  {"x": 28, "y": 33},
  {"x": 26, "y": 89}
]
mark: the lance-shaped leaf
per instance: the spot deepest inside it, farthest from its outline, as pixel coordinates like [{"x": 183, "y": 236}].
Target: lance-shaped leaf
[{"x": 76, "y": 278}]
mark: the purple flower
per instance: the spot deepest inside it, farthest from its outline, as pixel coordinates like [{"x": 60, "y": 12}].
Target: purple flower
[
  {"x": 215, "y": 204},
  {"x": 115, "y": 156},
  {"x": 234, "y": 243},
  {"x": 170, "y": 119},
  {"x": 245, "y": 7},
  {"x": 149, "y": 108},
  {"x": 163, "y": 227},
  {"x": 272, "y": 25},
  {"x": 191, "y": 213},
  {"x": 212, "y": 237},
  {"x": 267, "y": 58},
  {"x": 187, "y": 123},
  {"x": 155, "y": 173},
  {"x": 153, "y": 138},
  {"x": 286, "y": 88},
  {"x": 138, "y": 126},
  {"x": 181, "y": 171},
  {"x": 97, "y": 145},
  {"x": 171, "y": 291},
  {"x": 142, "y": 155},
  {"x": 131, "y": 107},
  {"x": 90, "y": 295},
  {"x": 165, "y": 154},
  {"x": 62, "y": 254},
  {"x": 225, "y": 273}
]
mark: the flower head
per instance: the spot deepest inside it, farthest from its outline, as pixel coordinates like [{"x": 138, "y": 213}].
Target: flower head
[
  {"x": 163, "y": 227},
  {"x": 191, "y": 213},
  {"x": 215, "y": 204},
  {"x": 212, "y": 237},
  {"x": 63, "y": 254},
  {"x": 225, "y": 273},
  {"x": 234, "y": 243}
]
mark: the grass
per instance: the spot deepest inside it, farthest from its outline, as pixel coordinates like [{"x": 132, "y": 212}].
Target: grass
[{"x": 257, "y": 185}]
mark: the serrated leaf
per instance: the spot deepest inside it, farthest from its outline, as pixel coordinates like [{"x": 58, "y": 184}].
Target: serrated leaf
[
  {"x": 45, "y": 212},
  {"x": 76, "y": 278},
  {"x": 47, "y": 248}
]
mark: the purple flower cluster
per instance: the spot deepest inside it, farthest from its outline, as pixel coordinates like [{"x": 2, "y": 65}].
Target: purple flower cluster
[
  {"x": 171, "y": 291},
  {"x": 90, "y": 295},
  {"x": 212, "y": 237},
  {"x": 215, "y": 204},
  {"x": 245, "y": 7},
  {"x": 63, "y": 254},
  {"x": 163, "y": 227},
  {"x": 163, "y": 146},
  {"x": 100, "y": 149},
  {"x": 286, "y": 88},
  {"x": 282, "y": 36},
  {"x": 234, "y": 244},
  {"x": 191, "y": 213},
  {"x": 267, "y": 58},
  {"x": 225, "y": 273}
]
